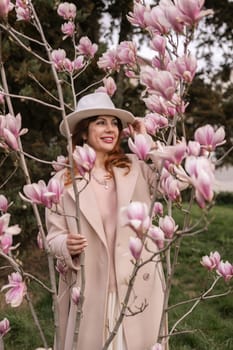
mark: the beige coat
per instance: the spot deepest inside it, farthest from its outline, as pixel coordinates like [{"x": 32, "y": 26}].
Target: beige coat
[{"x": 140, "y": 330}]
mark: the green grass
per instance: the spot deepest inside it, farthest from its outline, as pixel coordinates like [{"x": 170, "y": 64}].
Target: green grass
[{"x": 209, "y": 327}]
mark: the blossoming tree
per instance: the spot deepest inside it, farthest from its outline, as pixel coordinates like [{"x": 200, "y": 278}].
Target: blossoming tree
[{"x": 181, "y": 165}]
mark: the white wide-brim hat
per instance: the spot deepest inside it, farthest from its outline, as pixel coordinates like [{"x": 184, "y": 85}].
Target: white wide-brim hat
[{"x": 95, "y": 104}]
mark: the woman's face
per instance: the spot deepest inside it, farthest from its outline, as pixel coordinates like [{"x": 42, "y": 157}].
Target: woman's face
[{"x": 103, "y": 134}]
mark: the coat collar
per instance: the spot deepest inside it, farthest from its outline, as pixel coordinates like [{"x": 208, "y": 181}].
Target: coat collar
[{"x": 125, "y": 185}]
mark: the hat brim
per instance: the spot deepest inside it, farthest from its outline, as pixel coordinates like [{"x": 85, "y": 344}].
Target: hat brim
[{"x": 75, "y": 117}]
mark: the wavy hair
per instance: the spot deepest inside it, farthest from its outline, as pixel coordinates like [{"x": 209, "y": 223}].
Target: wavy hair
[{"x": 116, "y": 158}]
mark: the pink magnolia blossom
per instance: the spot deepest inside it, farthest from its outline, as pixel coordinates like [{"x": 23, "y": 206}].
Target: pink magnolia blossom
[
  {"x": 84, "y": 158},
  {"x": 5, "y": 228},
  {"x": 61, "y": 267},
  {"x": 157, "y": 236},
  {"x": 22, "y": 10},
  {"x": 68, "y": 65},
  {"x": 127, "y": 53},
  {"x": 6, "y": 242},
  {"x": 168, "y": 226},
  {"x": 78, "y": 63},
  {"x": 17, "y": 289},
  {"x": 10, "y": 139},
  {"x": 154, "y": 121},
  {"x": 75, "y": 295},
  {"x": 161, "y": 62},
  {"x": 109, "y": 86},
  {"x": 160, "y": 83},
  {"x": 173, "y": 154},
  {"x": 136, "y": 216},
  {"x": 60, "y": 163},
  {"x": 157, "y": 104},
  {"x": 56, "y": 188},
  {"x": 58, "y": 57},
  {"x": 169, "y": 186},
  {"x": 109, "y": 61},
  {"x": 172, "y": 15},
  {"x": 4, "y": 327},
  {"x": 193, "y": 148},
  {"x": 211, "y": 262},
  {"x": 156, "y": 21},
  {"x": 68, "y": 29},
  {"x": 158, "y": 209},
  {"x": 39, "y": 193},
  {"x": 5, "y": 7},
  {"x": 86, "y": 48},
  {"x": 191, "y": 11},
  {"x": 184, "y": 68},
  {"x": 137, "y": 16},
  {"x": 208, "y": 138},
  {"x": 201, "y": 174},
  {"x": 225, "y": 269},
  {"x": 141, "y": 145},
  {"x": 135, "y": 247},
  {"x": 3, "y": 203},
  {"x": 67, "y": 10},
  {"x": 14, "y": 125},
  {"x": 158, "y": 43}
]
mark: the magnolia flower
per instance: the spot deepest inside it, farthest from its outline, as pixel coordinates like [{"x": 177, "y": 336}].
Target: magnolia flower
[
  {"x": 4, "y": 327},
  {"x": 86, "y": 47},
  {"x": 127, "y": 53},
  {"x": 84, "y": 158},
  {"x": 158, "y": 82},
  {"x": 68, "y": 29},
  {"x": 225, "y": 269},
  {"x": 201, "y": 177},
  {"x": 172, "y": 15},
  {"x": 158, "y": 43},
  {"x": 39, "y": 193},
  {"x": 157, "y": 236},
  {"x": 157, "y": 209},
  {"x": 6, "y": 242},
  {"x": 156, "y": 21},
  {"x": 211, "y": 262},
  {"x": 157, "y": 104},
  {"x": 75, "y": 295},
  {"x": 170, "y": 186},
  {"x": 5, "y": 7},
  {"x": 60, "y": 163},
  {"x": 141, "y": 145},
  {"x": 154, "y": 121},
  {"x": 135, "y": 246},
  {"x": 17, "y": 289},
  {"x": 109, "y": 61},
  {"x": 137, "y": 16},
  {"x": 3, "y": 203},
  {"x": 184, "y": 68},
  {"x": 78, "y": 63},
  {"x": 109, "y": 86},
  {"x": 136, "y": 216},
  {"x": 67, "y": 10},
  {"x": 39, "y": 241},
  {"x": 61, "y": 267},
  {"x": 190, "y": 11},
  {"x": 193, "y": 148},
  {"x": 208, "y": 138},
  {"x": 22, "y": 10},
  {"x": 168, "y": 226},
  {"x": 58, "y": 57},
  {"x": 5, "y": 228}
]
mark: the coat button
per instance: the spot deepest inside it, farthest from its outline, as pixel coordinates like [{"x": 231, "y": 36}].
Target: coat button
[{"x": 146, "y": 276}]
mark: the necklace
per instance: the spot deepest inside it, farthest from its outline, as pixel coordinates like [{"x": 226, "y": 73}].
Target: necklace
[{"x": 103, "y": 182}]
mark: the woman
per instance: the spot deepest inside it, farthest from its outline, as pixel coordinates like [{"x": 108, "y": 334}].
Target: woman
[{"x": 115, "y": 180}]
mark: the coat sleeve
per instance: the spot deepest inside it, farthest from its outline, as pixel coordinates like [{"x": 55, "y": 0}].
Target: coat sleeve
[{"x": 57, "y": 228}]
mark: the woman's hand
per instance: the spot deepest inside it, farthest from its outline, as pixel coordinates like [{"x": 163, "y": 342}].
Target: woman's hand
[
  {"x": 76, "y": 243},
  {"x": 138, "y": 127}
]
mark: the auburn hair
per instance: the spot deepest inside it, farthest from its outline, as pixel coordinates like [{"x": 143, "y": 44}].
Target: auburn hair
[{"x": 116, "y": 158}]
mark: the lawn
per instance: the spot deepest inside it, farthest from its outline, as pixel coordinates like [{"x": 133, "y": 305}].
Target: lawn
[{"x": 208, "y": 327}]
